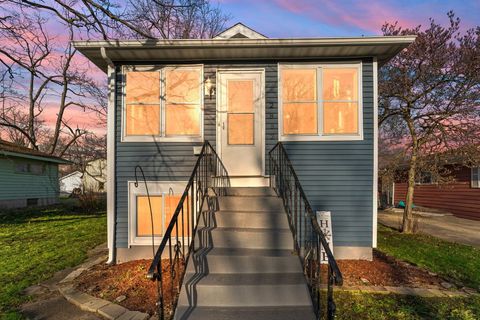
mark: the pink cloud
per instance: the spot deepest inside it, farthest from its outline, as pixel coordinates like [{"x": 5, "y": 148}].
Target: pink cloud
[{"x": 366, "y": 15}]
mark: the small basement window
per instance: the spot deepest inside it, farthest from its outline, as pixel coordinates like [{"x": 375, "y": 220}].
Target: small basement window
[
  {"x": 320, "y": 102},
  {"x": 475, "y": 177},
  {"x": 163, "y": 104},
  {"x": 164, "y": 199}
]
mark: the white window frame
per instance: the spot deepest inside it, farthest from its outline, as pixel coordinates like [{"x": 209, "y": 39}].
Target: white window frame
[
  {"x": 320, "y": 136},
  {"x": 162, "y": 137},
  {"x": 475, "y": 183},
  {"x": 155, "y": 188}
]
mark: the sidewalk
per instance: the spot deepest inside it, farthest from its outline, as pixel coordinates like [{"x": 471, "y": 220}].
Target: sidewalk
[{"x": 449, "y": 228}]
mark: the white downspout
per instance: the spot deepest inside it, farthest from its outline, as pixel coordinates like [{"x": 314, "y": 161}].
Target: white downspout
[
  {"x": 110, "y": 158},
  {"x": 375, "y": 152}
]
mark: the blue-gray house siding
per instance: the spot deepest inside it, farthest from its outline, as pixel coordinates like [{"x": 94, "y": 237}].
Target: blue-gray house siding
[{"x": 336, "y": 176}]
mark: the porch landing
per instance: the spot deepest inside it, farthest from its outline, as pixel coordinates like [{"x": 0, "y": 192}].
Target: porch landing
[{"x": 244, "y": 267}]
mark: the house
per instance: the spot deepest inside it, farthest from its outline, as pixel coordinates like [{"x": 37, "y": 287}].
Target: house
[
  {"x": 27, "y": 177},
  {"x": 243, "y": 92},
  {"x": 70, "y": 182},
  {"x": 95, "y": 176},
  {"x": 461, "y": 196}
]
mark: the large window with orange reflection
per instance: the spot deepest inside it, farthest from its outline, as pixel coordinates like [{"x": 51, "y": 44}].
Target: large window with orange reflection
[
  {"x": 164, "y": 104},
  {"x": 320, "y": 101}
]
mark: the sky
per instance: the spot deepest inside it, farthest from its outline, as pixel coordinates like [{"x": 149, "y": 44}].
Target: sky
[{"x": 336, "y": 18}]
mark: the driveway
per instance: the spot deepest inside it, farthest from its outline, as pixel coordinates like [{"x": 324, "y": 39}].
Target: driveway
[{"x": 448, "y": 227}]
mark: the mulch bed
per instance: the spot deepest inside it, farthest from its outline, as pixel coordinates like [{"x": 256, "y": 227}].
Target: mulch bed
[
  {"x": 386, "y": 271},
  {"x": 129, "y": 280}
]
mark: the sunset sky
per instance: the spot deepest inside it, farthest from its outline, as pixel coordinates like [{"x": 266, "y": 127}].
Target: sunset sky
[{"x": 308, "y": 18}]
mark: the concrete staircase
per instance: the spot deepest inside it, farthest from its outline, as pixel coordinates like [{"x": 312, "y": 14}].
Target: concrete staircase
[{"x": 243, "y": 267}]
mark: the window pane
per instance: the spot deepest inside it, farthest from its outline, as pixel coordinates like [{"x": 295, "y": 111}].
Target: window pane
[
  {"x": 142, "y": 119},
  {"x": 182, "y": 119},
  {"x": 299, "y": 85},
  {"x": 340, "y": 84},
  {"x": 143, "y": 87},
  {"x": 183, "y": 86},
  {"x": 144, "y": 221},
  {"x": 171, "y": 203},
  {"x": 240, "y": 95},
  {"x": 240, "y": 128},
  {"x": 300, "y": 118},
  {"x": 340, "y": 117}
]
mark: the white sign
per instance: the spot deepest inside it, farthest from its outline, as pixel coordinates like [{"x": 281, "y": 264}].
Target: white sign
[{"x": 324, "y": 220}]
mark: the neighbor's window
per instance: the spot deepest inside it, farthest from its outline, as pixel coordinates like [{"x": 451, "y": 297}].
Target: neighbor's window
[
  {"x": 476, "y": 177},
  {"x": 164, "y": 199},
  {"x": 320, "y": 102},
  {"x": 30, "y": 168},
  {"x": 163, "y": 104}
]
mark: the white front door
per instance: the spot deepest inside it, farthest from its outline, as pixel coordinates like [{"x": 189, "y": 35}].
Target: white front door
[{"x": 240, "y": 121}]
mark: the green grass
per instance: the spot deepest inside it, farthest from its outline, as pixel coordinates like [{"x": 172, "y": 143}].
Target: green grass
[
  {"x": 362, "y": 306},
  {"x": 455, "y": 261},
  {"x": 36, "y": 243}
]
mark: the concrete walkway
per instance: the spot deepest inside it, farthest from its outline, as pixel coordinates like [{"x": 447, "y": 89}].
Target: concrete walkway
[
  {"x": 48, "y": 303},
  {"x": 449, "y": 228}
]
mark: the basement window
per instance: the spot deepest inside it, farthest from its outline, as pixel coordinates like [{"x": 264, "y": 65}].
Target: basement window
[
  {"x": 163, "y": 104},
  {"x": 320, "y": 102},
  {"x": 164, "y": 199}
]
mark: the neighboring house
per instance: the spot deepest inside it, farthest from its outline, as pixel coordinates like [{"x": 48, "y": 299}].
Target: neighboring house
[
  {"x": 27, "y": 177},
  {"x": 243, "y": 93},
  {"x": 70, "y": 182},
  {"x": 95, "y": 176},
  {"x": 460, "y": 197}
]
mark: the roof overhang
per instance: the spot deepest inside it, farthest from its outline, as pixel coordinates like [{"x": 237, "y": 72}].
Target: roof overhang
[
  {"x": 34, "y": 157},
  {"x": 197, "y": 50}
]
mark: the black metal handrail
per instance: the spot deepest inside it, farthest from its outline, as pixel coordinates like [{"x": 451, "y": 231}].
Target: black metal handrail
[
  {"x": 209, "y": 174},
  {"x": 309, "y": 240}
]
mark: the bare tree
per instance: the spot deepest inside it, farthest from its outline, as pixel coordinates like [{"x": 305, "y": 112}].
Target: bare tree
[
  {"x": 430, "y": 98},
  {"x": 42, "y": 76},
  {"x": 150, "y": 19}
]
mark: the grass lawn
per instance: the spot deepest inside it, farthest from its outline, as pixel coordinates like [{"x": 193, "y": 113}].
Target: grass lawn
[
  {"x": 35, "y": 243},
  {"x": 456, "y": 261},
  {"x": 360, "y": 306}
]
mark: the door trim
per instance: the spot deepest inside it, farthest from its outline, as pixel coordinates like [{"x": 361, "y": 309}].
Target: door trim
[{"x": 218, "y": 130}]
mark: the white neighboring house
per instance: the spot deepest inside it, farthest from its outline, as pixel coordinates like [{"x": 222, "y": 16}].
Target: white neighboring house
[{"x": 70, "y": 182}]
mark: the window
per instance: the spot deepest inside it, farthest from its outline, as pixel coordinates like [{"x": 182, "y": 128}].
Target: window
[
  {"x": 30, "y": 168},
  {"x": 475, "y": 177},
  {"x": 164, "y": 199},
  {"x": 163, "y": 104},
  {"x": 320, "y": 102},
  {"x": 424, "y": 178}
]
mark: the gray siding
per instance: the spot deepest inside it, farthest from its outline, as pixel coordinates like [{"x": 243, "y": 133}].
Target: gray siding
[{"x": 336, "y": 176}]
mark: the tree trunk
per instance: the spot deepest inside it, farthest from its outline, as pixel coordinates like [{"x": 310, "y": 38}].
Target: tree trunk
[{"x": 407, "y": 225}]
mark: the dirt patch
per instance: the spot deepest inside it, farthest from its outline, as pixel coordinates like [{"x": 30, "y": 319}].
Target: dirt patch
[
  {"x": 127, "y": 282},
  {"x": 386, "y": 271}
]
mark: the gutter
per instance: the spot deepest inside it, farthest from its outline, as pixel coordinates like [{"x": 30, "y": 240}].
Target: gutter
[{"x": 111, "y": 205}]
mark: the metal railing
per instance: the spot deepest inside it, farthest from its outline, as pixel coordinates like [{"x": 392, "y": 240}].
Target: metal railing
[
  {"x": 168, "y": 266},
  {"x": 309, "y": 241}
]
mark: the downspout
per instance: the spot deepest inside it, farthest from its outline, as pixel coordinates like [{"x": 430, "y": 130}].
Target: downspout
[{"x": 110, "y": 158}]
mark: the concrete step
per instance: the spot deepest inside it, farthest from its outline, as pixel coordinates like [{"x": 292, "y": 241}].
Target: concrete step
[
  {"x": 254, "y": 220},
  {"x": 230, "y": 279},
  {"x": 249, "y": 238},
  {"x": 263, "y": 204},
  {"x": 242, "y": 313},
  {"x": 245, "y": 295},
  {"x": 230, "y": 264},
  {"x": 244, "y": 252},
  {"x": 250, "y": 191}
]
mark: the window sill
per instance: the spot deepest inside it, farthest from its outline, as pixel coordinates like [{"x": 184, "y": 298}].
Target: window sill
[
  {"x": 161, "y": 139},
  {"x": 322, "y": 138}
]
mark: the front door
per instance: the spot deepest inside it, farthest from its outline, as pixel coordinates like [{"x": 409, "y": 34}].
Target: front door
[{"x": 240, "y": 121}]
